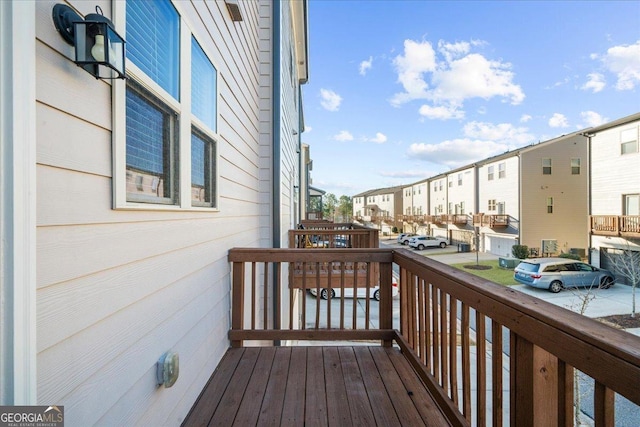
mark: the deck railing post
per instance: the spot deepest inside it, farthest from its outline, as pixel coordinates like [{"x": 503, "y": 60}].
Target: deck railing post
[
  {"x": 534, "y": 385},
  {"x": 237, "y": 308},
  {"x": 386, "y": 305}
]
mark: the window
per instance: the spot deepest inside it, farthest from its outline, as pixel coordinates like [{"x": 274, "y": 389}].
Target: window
[
  {"x": 450, "y": 208},
  {"x": 549, "y": 204},
  {"x": 435, "y": 186},
  {"x": 440, "y": 186},
  {"x": 490, "y": 173},
  {"x": 492, "y": 205},
  {"x": 168, "y": 147},
  {"x": 631, "y": 204},
  {"x": 546, "y": 166},
  {"x": 151, "y": 155},
  {"x": 203, "y": 157},
  {"x": 575, "y": 166},
  {"x": 459, "y": 179},
  {"x": 629, "y": 141},
  {"x": 462, "y": 208},
  {"x": 502, "y": 170}
]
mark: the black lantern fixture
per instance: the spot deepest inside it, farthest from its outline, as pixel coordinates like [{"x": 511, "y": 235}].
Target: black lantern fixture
[{"x": 99, "y": 48}]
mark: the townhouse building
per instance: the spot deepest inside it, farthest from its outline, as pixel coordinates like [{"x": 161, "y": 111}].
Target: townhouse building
[
  {"x": 121, "y": 198},
  {"x": 614, "y": 222},
  {"x": 416, "y": 207},
  {"x": 535, "y": 196},
  {"x": 378, "y": 207}
]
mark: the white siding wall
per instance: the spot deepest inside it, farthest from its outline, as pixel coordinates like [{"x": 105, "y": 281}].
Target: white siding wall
[
  {"x": 117, "y": 288},
  {"x": 438, "y": 197},
  {"x": 465, "y": 193},
  {"x": 503, "y": 190},
  {"x": 612, "y": 174}
]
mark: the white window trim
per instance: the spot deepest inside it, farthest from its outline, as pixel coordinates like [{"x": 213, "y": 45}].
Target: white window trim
[
  {"x": 18, "y": 346},
  {"x": 185, "y": 122}
]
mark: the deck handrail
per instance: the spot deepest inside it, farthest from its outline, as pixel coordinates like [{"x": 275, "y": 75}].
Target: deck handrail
[{"x": 438, "y": 303}]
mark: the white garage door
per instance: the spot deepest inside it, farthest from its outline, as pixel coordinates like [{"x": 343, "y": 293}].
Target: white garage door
[{"x": 500, "y": 246}]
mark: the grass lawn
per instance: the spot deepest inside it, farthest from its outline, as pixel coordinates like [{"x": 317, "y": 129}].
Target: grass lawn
[{"x": 501, "y": 276}]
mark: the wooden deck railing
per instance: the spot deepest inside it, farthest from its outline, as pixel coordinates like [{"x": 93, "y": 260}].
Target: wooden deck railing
[
  {"x": 487, "y": 353},
  {"x": 613, "y": 225},
  {"x": 333, "y": 235}
]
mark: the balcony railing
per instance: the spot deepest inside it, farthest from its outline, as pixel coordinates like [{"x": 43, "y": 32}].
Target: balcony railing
[
  {"x": 472, "y": 342},
  {"x": 491, "y": 220},
  {"x": 613, "y": 225},
  {"x": 322, "y": 234},
  {"x": 458, "y": 219}
]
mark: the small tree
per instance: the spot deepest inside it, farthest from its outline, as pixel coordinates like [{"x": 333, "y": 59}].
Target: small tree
[
  {"x": 520, "y": 251},
  {"x": 627, "y": 264}
]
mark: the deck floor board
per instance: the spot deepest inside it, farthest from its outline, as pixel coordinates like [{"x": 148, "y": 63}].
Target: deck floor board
[{"x": 296, "y": 386}]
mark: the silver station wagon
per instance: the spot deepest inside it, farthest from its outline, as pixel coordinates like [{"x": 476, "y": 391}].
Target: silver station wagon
[{"x": 556, "y": 274}]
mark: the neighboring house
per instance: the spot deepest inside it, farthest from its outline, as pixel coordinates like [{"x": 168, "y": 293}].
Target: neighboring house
[
  {"x": 377, "y": 208},
  {"x": 415, "y": 204},
  {"x": 461, "y": 199},
  {"x": 554, "y": 195},
  {"x": 615, "y": 190},
  {"x": 535, "y": 196},
  {"x": 121, "y": 199}
]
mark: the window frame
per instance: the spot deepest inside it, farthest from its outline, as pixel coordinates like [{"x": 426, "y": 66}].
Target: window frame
[
  {"x": 633, "y": 142},
  {"x": 502, "y": 170},
  {"x": 490, "y": 173},
  {"x": 549, "y": 205},
  {"x": 185, "y": 121}
]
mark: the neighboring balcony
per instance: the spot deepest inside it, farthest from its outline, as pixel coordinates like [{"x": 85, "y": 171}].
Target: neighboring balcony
[
  {"x": 491, "y": 221},
  {"x": 614, "y": 225},
  {"x": 451, "y": 349},
  {"x": 458, "y": 219}
]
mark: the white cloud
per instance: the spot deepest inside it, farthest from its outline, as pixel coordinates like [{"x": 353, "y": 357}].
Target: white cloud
[
  {"x": 380, "y": 138},
  {"x": 592, "y": 119},
  {"x": 452, "y": 51},
  {"x": 474, "y": 76},
  {"x": 624, "y": 62},
  {"x": 558, "y": 121},
  {"x": 418, "y": 59},
  {"x": 504, "y": 132},
  {"x": 525, "y": 118},
  {"x": 448, "y": 82},
  {"x": 595, "y": 83},
  {"x": 330, "y": 100},
  {"x": 366, "y": 65},
  {"x": 441, "y": 112},
  {"x": 343, "y": 135},
  {"x": 457, "y": 152}
]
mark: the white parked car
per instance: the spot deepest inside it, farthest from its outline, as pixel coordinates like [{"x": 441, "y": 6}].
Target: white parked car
[
  {"x": 421, "y": 242},
  {"x": 403, "y": 238},
  {"x": 374, "y": 292}
]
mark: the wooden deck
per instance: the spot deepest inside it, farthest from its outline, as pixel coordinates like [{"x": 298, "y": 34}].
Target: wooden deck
[{"x": 359, "y": 385}]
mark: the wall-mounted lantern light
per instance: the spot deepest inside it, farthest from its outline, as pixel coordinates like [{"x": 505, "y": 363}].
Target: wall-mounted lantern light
[{"x": 99, "y": 48}]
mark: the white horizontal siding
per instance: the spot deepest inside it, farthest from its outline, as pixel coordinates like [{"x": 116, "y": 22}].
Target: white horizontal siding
[
  {"x": 117, "y": 288},
  {"x": 612, "y": 174}
]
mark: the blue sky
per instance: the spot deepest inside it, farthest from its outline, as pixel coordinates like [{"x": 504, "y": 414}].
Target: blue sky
[{"x": 400, "y": 90}]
